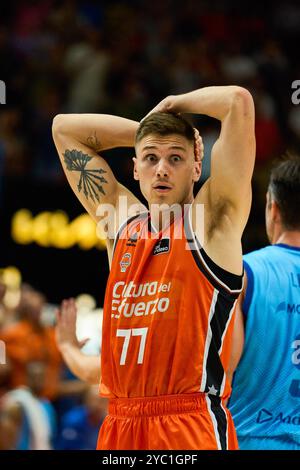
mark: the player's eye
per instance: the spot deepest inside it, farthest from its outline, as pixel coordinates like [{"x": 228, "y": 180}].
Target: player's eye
[
  {"x": 151, "y": 158},
  {"x": 176, "y": 158}
]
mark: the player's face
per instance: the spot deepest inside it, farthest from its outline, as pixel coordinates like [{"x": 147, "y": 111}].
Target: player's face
[{"x": 166, "y": 169}]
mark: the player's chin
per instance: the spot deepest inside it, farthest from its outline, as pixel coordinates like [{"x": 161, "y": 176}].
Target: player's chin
[{"x": 163, "y": 199}]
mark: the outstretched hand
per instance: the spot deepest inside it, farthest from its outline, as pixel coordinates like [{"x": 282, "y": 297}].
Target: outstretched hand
[{"x": 65, "y": 330}]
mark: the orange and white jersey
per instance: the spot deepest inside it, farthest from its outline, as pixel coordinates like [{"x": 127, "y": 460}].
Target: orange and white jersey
[{"x": 168, "y": 314}]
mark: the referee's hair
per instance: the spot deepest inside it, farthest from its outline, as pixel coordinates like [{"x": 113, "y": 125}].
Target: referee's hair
[{"x": 284, "y": 188}]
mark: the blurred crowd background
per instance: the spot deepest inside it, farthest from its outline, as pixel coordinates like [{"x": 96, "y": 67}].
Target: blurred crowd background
[{"x": 116, "y": 57}]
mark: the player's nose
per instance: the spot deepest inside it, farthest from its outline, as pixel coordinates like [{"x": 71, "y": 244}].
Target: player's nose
[{"x": 162, "y": 170}]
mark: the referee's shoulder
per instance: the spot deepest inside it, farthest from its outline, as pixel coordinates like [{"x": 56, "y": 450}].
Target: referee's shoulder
[{"x": 258, "y": 257}]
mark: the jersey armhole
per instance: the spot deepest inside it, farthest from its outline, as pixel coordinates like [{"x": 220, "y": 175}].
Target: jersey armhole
[
  {"x": 249, "y": 289},
  {"x": 221, "y": 279},
  {"x": 230, "y": 281}
]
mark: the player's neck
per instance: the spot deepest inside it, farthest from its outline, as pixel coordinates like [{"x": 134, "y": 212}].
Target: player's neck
[
  {"x": 289, "y": 237},
  {"x": 162, "y": 218}
]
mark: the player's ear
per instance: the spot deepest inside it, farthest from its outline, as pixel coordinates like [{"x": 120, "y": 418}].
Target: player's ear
[
  {"x": 135, "y": 171},
  {"x": 197, "y": 171},
  {"x": 275, "y": 211}
]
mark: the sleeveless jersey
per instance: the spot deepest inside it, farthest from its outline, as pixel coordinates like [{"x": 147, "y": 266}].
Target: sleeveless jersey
[
  {"x": 265, "y": 399},
  {"x": 168, "y": 314}
]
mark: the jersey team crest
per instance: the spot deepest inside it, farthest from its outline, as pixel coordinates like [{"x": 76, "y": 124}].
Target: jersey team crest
[{"x": 125, "y": 262}]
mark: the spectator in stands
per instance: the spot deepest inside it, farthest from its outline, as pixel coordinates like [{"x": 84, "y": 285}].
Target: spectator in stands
[
  {"x": 28, "y": 340},
  {"x": 36, "y": 416}
]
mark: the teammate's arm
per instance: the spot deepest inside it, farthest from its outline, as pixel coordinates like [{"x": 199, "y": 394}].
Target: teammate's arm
[
  {"x": 86, "y": 368},
  {"x": 78, "y": 139}
]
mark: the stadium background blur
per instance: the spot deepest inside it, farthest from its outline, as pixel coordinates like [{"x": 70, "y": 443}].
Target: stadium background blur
[{"x": 121, "y": 57}]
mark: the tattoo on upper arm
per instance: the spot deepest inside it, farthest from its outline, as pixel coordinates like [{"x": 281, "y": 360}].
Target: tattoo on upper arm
[{"x": 90, "y": 180}]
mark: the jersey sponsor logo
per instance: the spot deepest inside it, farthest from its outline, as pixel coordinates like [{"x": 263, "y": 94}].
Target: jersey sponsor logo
[
  {"x": 125, "y": 262},
  {"x": 133, "y": 235},
  {"x": 295, "y": 279},
  {"x": 132, "y": 240},
  {"x": 162, "y": 246},
  {"x": 124, "y": 294},
  {"x": 288, "y": 308},
  {"x": 293, "y": 308},
  {"x": 121, "y": 289},
  {"x": 129, "y": 309},
  {"x": 265, "y": 416}
]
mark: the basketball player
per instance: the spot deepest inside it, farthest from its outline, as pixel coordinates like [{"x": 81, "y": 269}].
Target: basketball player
[
  {"x": 169, "y": 303},
  {"x": 265, "y": 402}
]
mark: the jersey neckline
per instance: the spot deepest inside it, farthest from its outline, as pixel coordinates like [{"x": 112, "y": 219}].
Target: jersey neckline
[
  {"x": 290, "y": 247},
  {"x": 152, "y": 229}
]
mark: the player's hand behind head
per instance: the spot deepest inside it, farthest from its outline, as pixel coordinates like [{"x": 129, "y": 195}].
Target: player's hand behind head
[{"x": 164, "y": 106}]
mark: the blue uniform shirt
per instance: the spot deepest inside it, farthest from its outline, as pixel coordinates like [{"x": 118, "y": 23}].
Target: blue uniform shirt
[{"x": 265, "y": 400}]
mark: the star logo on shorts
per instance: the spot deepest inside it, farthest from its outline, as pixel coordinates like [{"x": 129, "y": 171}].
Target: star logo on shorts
[{"x": 212, "y": 390}]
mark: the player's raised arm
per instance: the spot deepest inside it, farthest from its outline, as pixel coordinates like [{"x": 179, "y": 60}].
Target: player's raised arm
[
  {"x": 233, "y": 154},
  {"x": 78, "y": 139}
]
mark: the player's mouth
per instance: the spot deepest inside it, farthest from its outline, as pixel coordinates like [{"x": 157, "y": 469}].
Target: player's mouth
[{"x": 162, "y": 187}]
